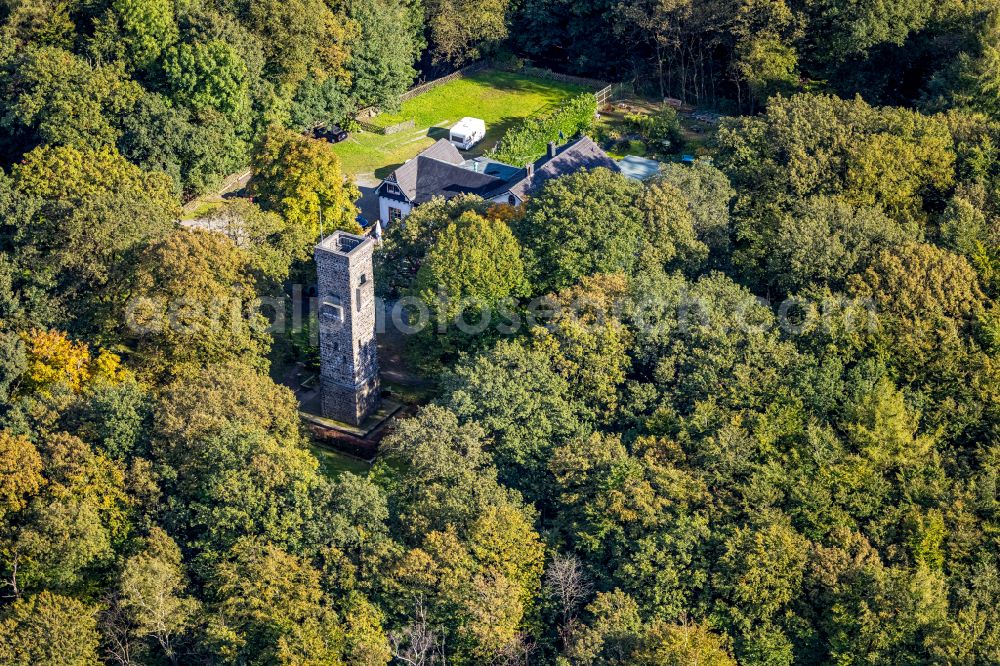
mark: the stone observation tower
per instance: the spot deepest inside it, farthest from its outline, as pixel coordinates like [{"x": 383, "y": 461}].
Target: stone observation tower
[{"x": 348, "y": 352}]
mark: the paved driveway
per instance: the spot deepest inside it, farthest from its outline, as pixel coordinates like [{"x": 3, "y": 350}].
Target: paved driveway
[{"x": 368, "y": 203}]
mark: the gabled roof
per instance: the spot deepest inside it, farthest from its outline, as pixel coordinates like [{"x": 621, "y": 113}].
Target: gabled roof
[
  {"x": 580, "y": 154},
  {"x": 437, "y": 178},
  {"x": 442, "y": 171},
  {"x": 438, "y": 171}
]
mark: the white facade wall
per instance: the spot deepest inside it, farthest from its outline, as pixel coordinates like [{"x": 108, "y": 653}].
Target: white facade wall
[
  {"x": 384, "y": 203},
  {"x": 505, "y": 199}
]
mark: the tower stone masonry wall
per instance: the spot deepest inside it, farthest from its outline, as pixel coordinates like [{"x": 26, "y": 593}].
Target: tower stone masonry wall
[{"x": 349, "y": 382}]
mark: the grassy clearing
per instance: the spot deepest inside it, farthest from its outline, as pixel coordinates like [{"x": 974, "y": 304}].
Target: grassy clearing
[
  {"x": 201, "y": 208},
  {"x": 333, "y": 463},
  {"x": 499, "y": 98}
]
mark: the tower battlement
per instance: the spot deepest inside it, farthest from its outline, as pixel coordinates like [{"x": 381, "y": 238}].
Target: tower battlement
[{"x": 349, "y": 380}]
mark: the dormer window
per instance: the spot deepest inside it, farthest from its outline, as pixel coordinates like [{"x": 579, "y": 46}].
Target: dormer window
[{"x": 392, "y": 188}]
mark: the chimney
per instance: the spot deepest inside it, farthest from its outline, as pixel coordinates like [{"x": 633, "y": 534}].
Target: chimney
[
  {"x": 530, "y": 169},
  {"x": 552, "y": 149}
]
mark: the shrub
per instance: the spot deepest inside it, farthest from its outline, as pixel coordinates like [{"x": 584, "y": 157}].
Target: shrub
[
  {"x": 527, "y": 141},
  {"x": 662, "y": 129}
]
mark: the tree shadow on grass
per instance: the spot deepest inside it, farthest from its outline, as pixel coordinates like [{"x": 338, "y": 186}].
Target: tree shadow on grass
[
  {"x": 515, "y": 82},
  {"x": 384, "y": 171}
]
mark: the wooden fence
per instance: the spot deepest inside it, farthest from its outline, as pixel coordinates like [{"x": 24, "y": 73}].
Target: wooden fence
[
  {"x": 604, "y": 96},
  {"x": 421, "y": 88}
]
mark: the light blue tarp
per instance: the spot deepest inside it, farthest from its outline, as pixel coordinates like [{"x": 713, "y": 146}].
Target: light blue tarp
[{"x": 640, "y": 168}]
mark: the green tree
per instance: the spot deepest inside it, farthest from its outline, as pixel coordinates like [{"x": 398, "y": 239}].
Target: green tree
[
  {"x": 388, "y": 44},
  {"x": 301, "y": 179},
  {"x": 926, "y": 300},
  {"x": 68, "y": 529},
  {"x": 207, "y": 75},
  {"x": 709, "y": 195},
  {"x": 192, "y": 301},
  {"x": 613, "y": 633},
  {"x": 271, "y": 609},
  {"x": 208, "y": 399},
  {"x": 405, "y": 246},
  {"x": 522, "y": 404},
  {"x": 474, "y": 260},
  {"x": 669, "y": 224},
  {"x": 86, "y": 214},
  {"x": 761, "y": 572},
  {"x": 579, "y": 225},
  {"x": 45, "y": 22},
  {"x": 262, "y": 235},
  {"x": 587, "y": 344},
  {"x": 49, "y": 630},
  {"x": 227, "y": 446},
  {"x": 300, "y": 37},
  {"x": 53, "y": 96},
  {"x": 143, "y": 29},
  {"x": 765, "y": 58},
  {"x": 449, "y": 478},
  {"x": 151, "y": 586},
  {"x": 680, "y": 645},
  {"x": 823, "y": 240},
  {"x": 479, "y": 590},
  {"x": 810, "y": 145}
]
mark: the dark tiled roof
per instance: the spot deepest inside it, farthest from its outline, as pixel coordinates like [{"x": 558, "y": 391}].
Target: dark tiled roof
[
  {"x": 581, "y": 154},
  {"x": 406, "y": 175},
  {"x": 441, "y": 171},
  {"x": 437, "y": 178}
]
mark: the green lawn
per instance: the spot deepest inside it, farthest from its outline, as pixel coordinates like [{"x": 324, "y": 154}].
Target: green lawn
[
  {"x": 499, "y": 98},
  {"x": 333, "y": 463}
]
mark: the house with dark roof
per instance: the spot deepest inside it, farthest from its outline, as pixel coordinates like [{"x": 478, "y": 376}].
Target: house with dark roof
[{"x": 441, "y": 171}]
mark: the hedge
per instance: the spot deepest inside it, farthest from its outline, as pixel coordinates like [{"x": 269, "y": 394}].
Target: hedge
[{"x": 528, "y": 140}]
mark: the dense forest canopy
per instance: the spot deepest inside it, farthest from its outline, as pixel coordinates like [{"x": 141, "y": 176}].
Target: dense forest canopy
[{"x": 745, "y": 413}]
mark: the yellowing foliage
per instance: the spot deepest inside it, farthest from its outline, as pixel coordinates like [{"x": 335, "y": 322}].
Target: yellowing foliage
[{"x": 54, "y": 359}]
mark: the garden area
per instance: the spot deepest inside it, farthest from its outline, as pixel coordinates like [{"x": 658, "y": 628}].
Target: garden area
[
  {"x": 500, "y": 98},
  {"x": 656, "y": 130}
]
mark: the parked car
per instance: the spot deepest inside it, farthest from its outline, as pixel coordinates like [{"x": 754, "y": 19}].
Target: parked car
[
  {"x": 332, "y": 133},
  {"x": 467, "y": 133}
]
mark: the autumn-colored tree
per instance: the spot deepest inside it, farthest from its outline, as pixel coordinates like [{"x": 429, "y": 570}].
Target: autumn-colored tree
[
  {"x": 301, "y": 179},
  {"x": 20, "y": 472},
  {"x": 55, "y": 359},
  {"x": 271, "y": 609},
  {"x": 192, "y": 302},
  {"x": 482, "y": 28}
]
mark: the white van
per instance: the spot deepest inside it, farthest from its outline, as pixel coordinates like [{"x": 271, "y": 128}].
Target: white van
[{"x": 467, "y": 133}]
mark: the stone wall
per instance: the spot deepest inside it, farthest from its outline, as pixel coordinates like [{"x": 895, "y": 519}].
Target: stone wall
[{"x": 348, "y": 349}]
